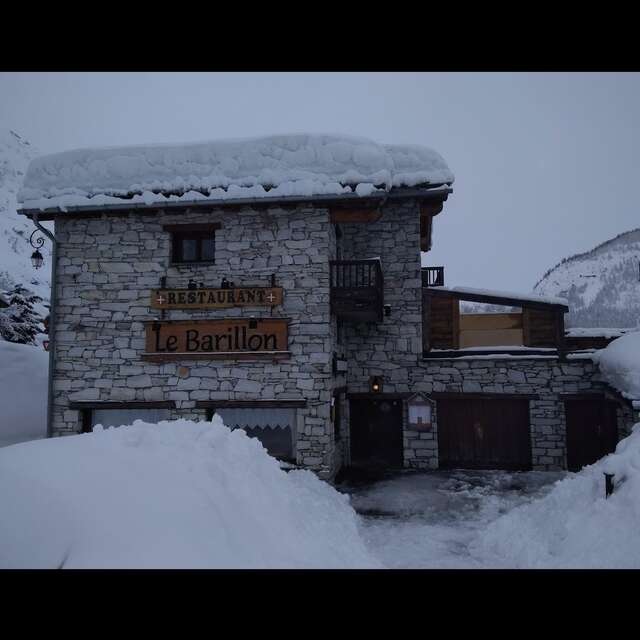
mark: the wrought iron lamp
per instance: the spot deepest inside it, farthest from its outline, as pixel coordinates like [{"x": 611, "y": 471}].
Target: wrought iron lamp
[{"x": 37, "y": 258}]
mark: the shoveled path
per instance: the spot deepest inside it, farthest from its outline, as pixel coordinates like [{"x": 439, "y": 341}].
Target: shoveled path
[{"x": 417, "y": 520}]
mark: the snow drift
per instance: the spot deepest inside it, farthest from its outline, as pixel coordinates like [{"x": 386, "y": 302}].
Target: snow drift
[
  {"x": 177, "y": 494},
  {"x": 619, "y": 364},
  {"x": 574, "y": 526},
  {"x": 284, "y": 165},
  {"x": 23, "y": 392}
]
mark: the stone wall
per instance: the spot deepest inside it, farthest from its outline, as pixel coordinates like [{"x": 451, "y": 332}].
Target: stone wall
[
  {"x": 548, "y": 378},
  {"x": 392, "y": 347},
  {"x": 106, "y": 269}
]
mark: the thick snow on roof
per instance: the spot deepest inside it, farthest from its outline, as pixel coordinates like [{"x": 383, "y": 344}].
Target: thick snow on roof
[
  {"x": 282, "y": 165},
  {"x": 596, "y": 332},
  {"x": 620, "y": 364},
  {"x": 506, "y": 294}
]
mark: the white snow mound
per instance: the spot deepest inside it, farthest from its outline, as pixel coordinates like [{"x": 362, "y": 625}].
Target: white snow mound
[
  {"x": 283, "y": 165},
  {"x": 575, "y": 526},
  {"x": 177, "y": 494},
  {"x": 23, "y": 392},
  {"x": 619, "y": 364}
]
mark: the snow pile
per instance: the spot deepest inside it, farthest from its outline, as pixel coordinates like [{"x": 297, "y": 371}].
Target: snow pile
[
  {"x": 177, "y": 494},
  {"x": 23, "y": 392},
  {"x": 619, "y": 364},
  {"x": 574, "y": 526},
  {"x": 284, "y": 165}
]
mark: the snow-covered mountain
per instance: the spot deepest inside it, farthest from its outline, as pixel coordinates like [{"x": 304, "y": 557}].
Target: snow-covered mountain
[
  {"x": 15, "y": 250},
  {"x": 602, "y": 285}
]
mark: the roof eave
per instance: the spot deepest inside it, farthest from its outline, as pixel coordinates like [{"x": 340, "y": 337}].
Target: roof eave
[{"x": 436, "y": 192}]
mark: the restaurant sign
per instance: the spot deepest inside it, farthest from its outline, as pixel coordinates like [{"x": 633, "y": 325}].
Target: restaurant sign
[
  {"x": 229, "y": 338},
  {"x": 216, "y": 298}
]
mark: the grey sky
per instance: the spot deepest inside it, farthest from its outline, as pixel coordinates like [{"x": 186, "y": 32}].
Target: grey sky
[{"x": 546, "y": 165}]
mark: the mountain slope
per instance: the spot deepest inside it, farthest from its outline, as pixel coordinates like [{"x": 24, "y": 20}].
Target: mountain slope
[
  {"x": 15, "y": 250},
  {"x": 602, "y": 285}
]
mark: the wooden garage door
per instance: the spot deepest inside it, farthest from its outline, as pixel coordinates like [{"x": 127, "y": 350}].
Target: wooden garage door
[
  {"x": 484, "y": 434},
  {"x": 591, "y": 431}
]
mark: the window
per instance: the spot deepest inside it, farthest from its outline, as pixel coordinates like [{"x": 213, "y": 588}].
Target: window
[
  {"x": 120, "y": 416},
  {"x": 274, "y": 427},
  {"x": 337, "y": 418},
  {"x": 192, "y": 242}
]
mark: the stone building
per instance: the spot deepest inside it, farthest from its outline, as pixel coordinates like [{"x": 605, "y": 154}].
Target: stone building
[{"x": 278, "y": 282}]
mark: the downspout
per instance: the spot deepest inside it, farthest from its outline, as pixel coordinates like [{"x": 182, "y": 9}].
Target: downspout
[{"x": 52, "y": 321}]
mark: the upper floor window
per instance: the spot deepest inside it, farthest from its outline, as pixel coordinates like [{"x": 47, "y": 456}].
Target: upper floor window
[{"x": 192, "y": 242}]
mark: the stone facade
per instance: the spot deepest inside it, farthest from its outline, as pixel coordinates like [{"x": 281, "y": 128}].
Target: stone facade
[
  {"x": 108, "y": 264},
  {"x": 547, "y": 378},
  {"x": 106, "y": 269}
]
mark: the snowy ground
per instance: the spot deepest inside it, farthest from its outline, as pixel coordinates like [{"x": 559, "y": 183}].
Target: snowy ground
[{"x": 418, "y": 520}]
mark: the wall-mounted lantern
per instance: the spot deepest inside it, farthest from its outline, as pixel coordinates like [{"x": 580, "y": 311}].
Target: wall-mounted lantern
[
  {"x": 375, "y": 384},
  {"x": 420, "y": 410},
  {"x": 37, "y": 258}
]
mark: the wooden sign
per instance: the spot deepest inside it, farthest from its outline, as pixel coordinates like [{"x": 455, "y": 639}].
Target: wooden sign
[
  {"x": 216, "y": 298},
  {"x": 229, "y": 338}
]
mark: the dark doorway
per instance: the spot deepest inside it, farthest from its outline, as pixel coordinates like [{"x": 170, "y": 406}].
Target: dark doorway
[
  {"x": 591, "y": 430},
  {"x": 484, "y": 434},
  {"x": 376, "y": 433}
]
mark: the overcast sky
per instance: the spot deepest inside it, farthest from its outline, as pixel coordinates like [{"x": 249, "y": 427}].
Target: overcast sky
[{"x": 546, "y": 164}]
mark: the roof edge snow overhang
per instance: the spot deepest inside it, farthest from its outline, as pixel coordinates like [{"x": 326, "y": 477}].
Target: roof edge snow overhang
[
  {"x": 435, "y": 193},
  {"x": 487, "y": 298}
]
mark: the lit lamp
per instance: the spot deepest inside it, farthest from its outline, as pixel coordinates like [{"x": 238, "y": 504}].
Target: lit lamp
[
  {"x": 420, "y": 412},
  {"x": 36, "y": 259},
  {"x": 375, "y": 384}
]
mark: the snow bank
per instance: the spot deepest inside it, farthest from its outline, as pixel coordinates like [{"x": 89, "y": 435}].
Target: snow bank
[
  {"x": 620, "y": 364},
  {"x": 285, "y": 165},
  {"x": 574, "y": 526},
  {"x": 23, "y": 392},
  {"x": 176, "y": 494}
]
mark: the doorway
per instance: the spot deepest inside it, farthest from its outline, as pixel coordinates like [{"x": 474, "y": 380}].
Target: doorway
[{"x": 376, "y": 433}]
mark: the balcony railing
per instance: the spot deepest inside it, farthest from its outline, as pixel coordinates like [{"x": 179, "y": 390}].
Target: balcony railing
[
  {"x": 356, "y": 289},
  {"x": 433, "y": 276}
]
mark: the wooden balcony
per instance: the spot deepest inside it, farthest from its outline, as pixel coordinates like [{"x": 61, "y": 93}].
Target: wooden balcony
[
  {"x": 433, "y": 276},
  {"x": 356, "y": 290}
]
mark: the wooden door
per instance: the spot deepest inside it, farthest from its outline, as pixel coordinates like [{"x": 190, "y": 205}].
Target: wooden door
[
  {"x": 484, "y": 434},
  {"x": 591, "y": 430},
  {"x": 376, "y": 433}
]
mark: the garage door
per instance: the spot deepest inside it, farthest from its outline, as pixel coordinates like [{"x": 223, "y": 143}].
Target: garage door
[
  {"x": 591, "y": 431},
  {"x": 484, "y": 434}
]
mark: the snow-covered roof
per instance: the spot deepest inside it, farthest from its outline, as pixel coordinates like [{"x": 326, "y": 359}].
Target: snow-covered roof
[
  {"x": 280, "y": 166},
  {"x": 620, "y": 364},
  {"x": 596, "y": 332},
  {"x": 505, "y": 294}
]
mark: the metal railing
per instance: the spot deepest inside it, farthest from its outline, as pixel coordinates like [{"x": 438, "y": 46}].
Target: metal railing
[
  {"x": 355, "y": 274},
  {"x": 433, "y": 276}
]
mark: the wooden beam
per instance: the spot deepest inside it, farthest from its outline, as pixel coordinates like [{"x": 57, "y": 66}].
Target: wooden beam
[
  {"x": 495, "y": 299},
  {"x": 353, "y": 215},
  {"x": 250, "y": 404},
  {"x": 431, "y": 207},
  {"x": 378, "y": 396},
  {"x": 96, "y": 404},
  {"x": 452, "y": 395}
]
